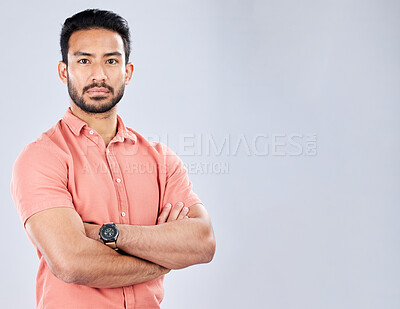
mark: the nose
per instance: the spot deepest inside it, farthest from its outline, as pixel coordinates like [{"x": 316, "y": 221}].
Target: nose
[{"x": 98, "y": 72}]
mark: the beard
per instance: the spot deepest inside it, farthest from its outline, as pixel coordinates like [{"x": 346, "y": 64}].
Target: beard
[{"x": 102, "y": 107}]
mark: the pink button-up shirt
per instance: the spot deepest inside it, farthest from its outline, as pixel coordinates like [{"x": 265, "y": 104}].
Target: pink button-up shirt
[{"x": 126, "y": 182}]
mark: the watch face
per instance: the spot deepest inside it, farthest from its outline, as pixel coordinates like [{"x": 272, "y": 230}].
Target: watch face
[{"x": 109, "y": 232}]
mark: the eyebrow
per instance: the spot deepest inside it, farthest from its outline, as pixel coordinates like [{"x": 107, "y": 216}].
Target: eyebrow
[
  {"x": 113, "y": 54},
  {"x": 81, "y": 53}
]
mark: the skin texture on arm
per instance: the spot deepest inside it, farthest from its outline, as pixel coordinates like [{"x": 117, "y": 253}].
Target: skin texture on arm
[
  {"x": 173, "y": 244},
  {"x": 59, "y": 234}
]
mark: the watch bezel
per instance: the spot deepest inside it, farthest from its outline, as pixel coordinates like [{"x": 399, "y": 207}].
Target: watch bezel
[{"x": 106, "y": 226}]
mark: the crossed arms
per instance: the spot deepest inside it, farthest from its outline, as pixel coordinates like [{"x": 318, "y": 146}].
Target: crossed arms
[{"x": 73, "y": 253}]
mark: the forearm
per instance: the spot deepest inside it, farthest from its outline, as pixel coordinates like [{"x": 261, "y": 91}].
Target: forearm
[
  {"x": 96, "y": 265},
  {"x": 59, "y": 234},
  {"x": 174, "y": 245}
]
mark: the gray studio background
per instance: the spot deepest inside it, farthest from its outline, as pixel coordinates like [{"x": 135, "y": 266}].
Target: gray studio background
[{"x": 287, "y": 115}]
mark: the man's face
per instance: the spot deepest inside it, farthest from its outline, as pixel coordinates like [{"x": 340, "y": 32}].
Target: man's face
[{"x": 96, "y": 71}]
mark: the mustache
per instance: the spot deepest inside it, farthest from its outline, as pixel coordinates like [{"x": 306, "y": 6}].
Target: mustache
[{"x": 93, "y": 85}]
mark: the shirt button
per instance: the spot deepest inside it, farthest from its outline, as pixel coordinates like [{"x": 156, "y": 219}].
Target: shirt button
[
  {"x": 91, "y": 132},
  {"x": 118, "y": 180},
  {"x": 123, "y": 213}
]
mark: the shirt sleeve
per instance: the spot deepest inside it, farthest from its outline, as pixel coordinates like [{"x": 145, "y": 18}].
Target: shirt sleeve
[
  {"x": 39, "y": 181},
  {"x": 178, "y": 187}
]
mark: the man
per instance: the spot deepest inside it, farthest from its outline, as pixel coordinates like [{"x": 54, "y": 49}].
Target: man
[{"x": 90, "y": 191}]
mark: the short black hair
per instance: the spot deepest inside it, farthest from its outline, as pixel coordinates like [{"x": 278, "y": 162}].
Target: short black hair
[{"x": 94, "y": 19}]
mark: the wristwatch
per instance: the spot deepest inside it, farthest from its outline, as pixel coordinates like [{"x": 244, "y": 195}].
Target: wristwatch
[{"x": 109, "y": 235}]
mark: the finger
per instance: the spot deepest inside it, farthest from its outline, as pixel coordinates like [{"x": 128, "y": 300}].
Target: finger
[
  {"x": 183, "y": 213},
  {"x": 175, "y": 211},
  {"x": 164, "y": 214}
]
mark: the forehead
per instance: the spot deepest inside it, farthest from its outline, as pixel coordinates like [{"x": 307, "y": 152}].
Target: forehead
[{"x": 92, "y": 40}]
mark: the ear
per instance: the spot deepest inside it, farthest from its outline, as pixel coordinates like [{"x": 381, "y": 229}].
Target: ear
[
  {"x": 128, "y": 72},
  {"x": 62, "y": 71}
]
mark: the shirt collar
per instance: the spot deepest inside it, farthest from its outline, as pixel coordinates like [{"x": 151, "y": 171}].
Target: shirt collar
[
  {"x": 123, "y": 132},
  {"x": 76, "y": 124}
]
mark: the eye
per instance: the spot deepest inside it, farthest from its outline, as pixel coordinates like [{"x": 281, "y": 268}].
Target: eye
[
  {"x": 83, "y": 61},
  {"x": 112, "y": 61}
]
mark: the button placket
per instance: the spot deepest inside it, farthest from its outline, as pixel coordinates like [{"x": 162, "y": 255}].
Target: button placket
[
  {"x": 91, "y": 135},
  {"x": 118, "y": 184}
]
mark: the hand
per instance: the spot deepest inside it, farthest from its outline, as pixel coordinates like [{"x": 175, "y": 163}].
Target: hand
[
  {"x": 169, "y": 213},
  {"x": 92, "y": 231}
]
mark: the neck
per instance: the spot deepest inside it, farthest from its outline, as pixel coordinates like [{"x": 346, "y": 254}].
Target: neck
[{"x": 105, "y": 124}]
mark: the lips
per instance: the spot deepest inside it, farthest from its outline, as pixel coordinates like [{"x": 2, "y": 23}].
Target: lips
[{"x": 98, "y": 91}]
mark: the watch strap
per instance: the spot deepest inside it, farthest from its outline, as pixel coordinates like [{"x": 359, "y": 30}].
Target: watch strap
[{"x": 112, "y": 245}]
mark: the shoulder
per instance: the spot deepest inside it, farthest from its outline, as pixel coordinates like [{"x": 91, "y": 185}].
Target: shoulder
[
  {"x": 42, "y": 144},
  {"x": 42, "y": 151},
  {"x": 158, "y": 148},
  {"x": 163, "y": 154}
]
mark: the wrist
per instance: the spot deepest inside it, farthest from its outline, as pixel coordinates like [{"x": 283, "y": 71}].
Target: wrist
[
  {"x": 121, "y": 236},
  {"x": 92, "y": 231},
  {"x": 127, "y": 237},
  {"x": 96, "y": 235}
]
